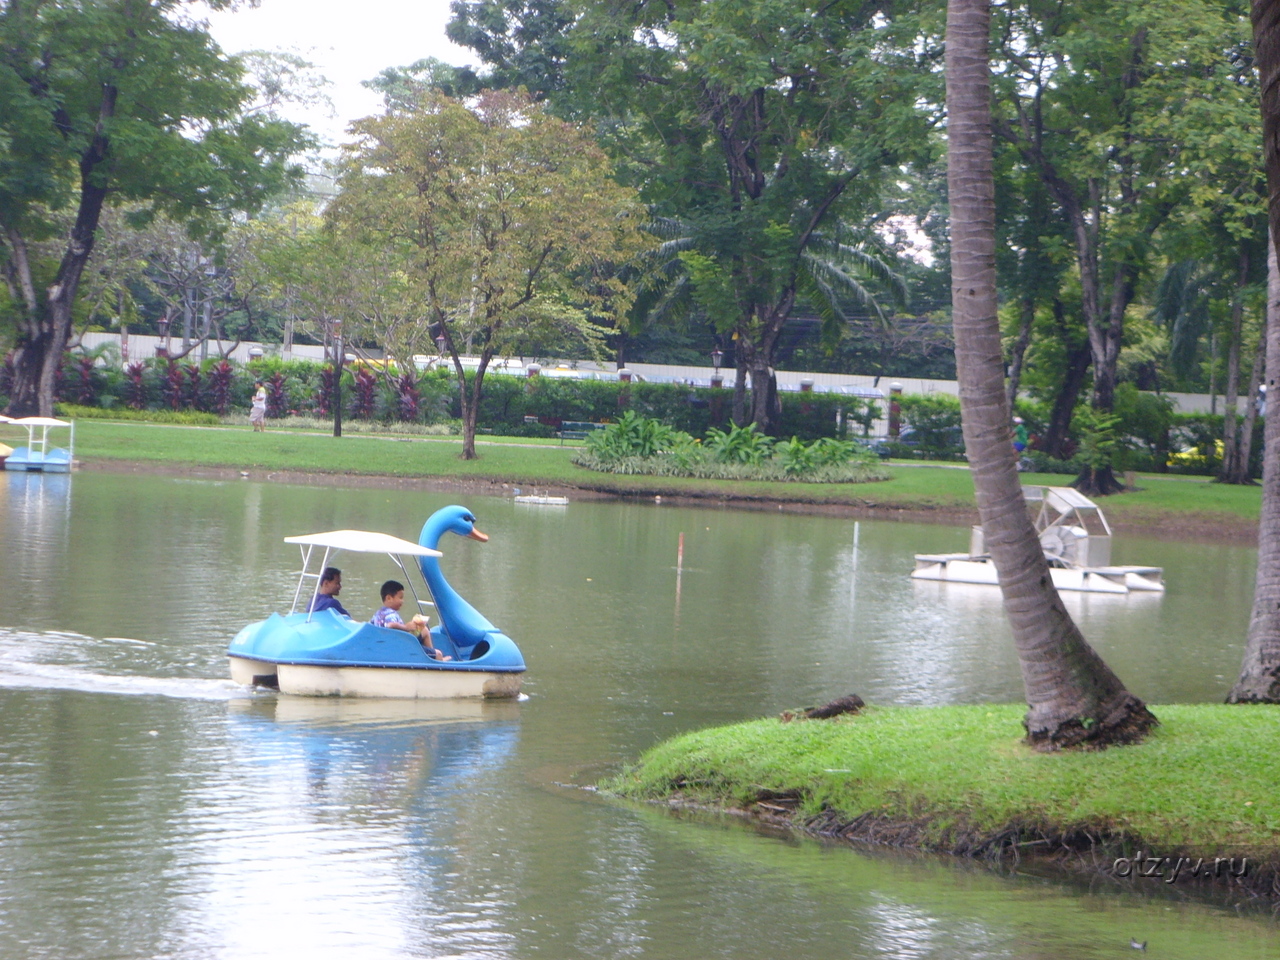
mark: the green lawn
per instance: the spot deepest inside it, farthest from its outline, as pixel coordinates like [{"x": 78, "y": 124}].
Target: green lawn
[
  {"x": 1200, "y": 782},
  {"x": 547, "y": 463}
]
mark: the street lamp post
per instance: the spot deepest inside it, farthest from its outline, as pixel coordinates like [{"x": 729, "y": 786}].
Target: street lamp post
[
  {"x": 162, "y": 348},
  {"x": 717, "y": 356}
]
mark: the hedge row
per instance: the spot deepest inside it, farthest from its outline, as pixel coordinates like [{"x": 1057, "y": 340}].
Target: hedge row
[{"x": 511, "y": 405}]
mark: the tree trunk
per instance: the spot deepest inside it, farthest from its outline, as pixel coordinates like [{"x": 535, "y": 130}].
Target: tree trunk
[
  {"x": 765, "y": 405},
  {"x": 1073, "y": 697},
  {"x": 1020, "y": 348},
  {"x": 739, "y": 384},
  {"x": 39, "y": 352},
  {"x": 470, "y": 398},
  {"x": 1230, "y": 436},
  {"x": 469, "y": 411},
  {"x": 1245, "y": 449},
  {"x": 1259, "y": 680},
  {"x": 1064, "y": 405}
]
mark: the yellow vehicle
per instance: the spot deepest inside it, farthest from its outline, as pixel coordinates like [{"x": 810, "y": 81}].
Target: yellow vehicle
[{"x": 1195, "y": 456}]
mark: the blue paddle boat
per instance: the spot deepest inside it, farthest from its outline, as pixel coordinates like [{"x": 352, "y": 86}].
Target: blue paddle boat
[
  {"x": 327, "y": 654},
  {"x": 37, "y": 455}
]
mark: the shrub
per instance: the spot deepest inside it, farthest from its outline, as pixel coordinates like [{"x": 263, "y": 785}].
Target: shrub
[
  {"x": 191, "y": 395},
  {"x": 739, "y": 445},
  {"x": 631, "y": 436},
  {"x": 935, "y": 423},
  {"x": 366, "y": 395},
  {"x": 135, "y": 375},
  {"x": 671, "y": 465},
  {"x": 322, "y": 398},
  {"x": 795, "y": 457},
  {"x": 277, "y": 395},
  {"x": 172, "y": 385},
  {"x": 86, "y": 392},
  {"x": 189, "y": 418},
  {"x": 219, "y": 383},
  {"x": 408, "y": 400}
]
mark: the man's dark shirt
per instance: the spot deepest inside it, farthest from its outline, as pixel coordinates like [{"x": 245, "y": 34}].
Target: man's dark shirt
[{"x": 326, "y": 602}]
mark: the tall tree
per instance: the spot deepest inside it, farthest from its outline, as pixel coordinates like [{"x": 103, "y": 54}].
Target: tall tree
[
  {"x": 1259, "y": 680},
  {"x": 105, "y": 101},
  {"x": 762, "y": 126},
  {"x": 1113, "y": 103},
  {"x": 1073, "y": 697},
  {"x": 498, "y": 214}
]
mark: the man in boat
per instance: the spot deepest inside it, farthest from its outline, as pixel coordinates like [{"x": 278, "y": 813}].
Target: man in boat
[
  {"x": 389, "y": 616},
  {"x": 327, "y": 598}
]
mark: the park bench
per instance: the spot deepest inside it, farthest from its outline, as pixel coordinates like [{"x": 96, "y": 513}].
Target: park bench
[{"x": 577, "y": 429}]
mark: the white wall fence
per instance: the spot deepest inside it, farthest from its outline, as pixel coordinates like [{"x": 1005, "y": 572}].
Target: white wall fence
[{"x": 140, "y": 347}]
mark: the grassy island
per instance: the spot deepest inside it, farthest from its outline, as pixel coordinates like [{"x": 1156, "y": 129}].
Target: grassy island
[{"x": 958, "y": 779}]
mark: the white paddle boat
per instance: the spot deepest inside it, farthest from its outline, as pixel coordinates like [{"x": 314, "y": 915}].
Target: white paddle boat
[{"x": 1076, "y": 540}]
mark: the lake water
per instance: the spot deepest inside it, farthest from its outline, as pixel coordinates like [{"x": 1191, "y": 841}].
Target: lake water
[{"x": 150, "y": 808}]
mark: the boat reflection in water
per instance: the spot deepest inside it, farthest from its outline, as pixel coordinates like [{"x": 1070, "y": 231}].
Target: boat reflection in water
[
  {"x": 394, "y": 798},
  {"x": 368, "y": 744}
]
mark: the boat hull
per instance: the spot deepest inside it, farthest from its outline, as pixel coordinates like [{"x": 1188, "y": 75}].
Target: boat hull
[
  {"x": 56, "y": 460},
  {"x": 311, "y": 681},
  {"x": 962, "y": 568}
]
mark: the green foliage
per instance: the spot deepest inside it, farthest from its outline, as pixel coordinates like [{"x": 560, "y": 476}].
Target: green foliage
[
  {"x": 1099, "y": 437},
  {"x": 495, "y": 216},
  {"x": 187, "y": 418},
  {"x": 704, "y": 468},
  {"x": 828, "y": 451},
  {"x": 632, "y": 436},
  {"x": 636, "y": 445},
  {"x": 739, "y": 445},
  {"x": 1145, "y": 420},
  {"x": 795, "y": 456},
  {"x": 935, "y": 420}
]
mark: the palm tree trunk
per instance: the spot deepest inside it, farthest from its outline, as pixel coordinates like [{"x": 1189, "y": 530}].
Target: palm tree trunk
[
  {"x": 1259, "y": 680},
  {"x": 1073, "y": 697}
]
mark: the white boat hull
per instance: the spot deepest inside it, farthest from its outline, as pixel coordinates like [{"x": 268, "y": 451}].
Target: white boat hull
[
  {"x": 962, "y": 568},
  {"x": 384, "y": 682}
]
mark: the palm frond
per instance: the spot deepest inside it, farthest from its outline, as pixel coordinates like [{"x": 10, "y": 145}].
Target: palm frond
[
  {"x": 865, "y": 261},
  {"x": 842, "y": 284}
]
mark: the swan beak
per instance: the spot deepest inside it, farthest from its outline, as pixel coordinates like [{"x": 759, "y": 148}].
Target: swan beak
[{"x": 477, "y": 535}]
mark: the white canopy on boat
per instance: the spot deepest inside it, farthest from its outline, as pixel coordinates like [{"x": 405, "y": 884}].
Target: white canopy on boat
[
  {"x": 4, "y": 419},
  {"x": 363, "y": 541},
  {"x": 40, "y": 422}
]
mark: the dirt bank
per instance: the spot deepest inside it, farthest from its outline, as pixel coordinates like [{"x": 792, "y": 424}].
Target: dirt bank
[{"x": 1246, "y": 878}]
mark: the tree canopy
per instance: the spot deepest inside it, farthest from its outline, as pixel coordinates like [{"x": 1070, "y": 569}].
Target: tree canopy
[
  {"x": 110, "y": 102},
  {"x": 497, "y": 215}
]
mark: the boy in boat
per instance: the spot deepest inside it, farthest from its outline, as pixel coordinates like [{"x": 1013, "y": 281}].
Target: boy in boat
[
  {"x": 327, "y": 597},
  {"x": 389, "y": 616}
]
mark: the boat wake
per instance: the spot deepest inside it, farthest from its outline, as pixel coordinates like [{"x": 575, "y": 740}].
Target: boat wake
[
  {"x": 56, "y": 660},
  {"x": 45, "y": 677}
]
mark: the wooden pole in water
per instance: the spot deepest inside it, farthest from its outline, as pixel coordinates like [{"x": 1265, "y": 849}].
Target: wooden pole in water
[{"x": 680, "y": 555}]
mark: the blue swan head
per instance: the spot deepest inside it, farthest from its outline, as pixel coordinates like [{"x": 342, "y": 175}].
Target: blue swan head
[
  {"x": 471, "y": 635},
  {"x": 463, "y": 623},
  {"x": 454, "y": 519}
]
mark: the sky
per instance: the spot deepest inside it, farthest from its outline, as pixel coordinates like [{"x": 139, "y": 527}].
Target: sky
[{"x": 348, "y": 42}]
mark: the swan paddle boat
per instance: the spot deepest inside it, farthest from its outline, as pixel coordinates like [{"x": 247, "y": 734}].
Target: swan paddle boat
[
  {"x": 37, "y": 455},
  {"x": 1076, "y": 540},
  {"x": 327, "y": 654}
]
